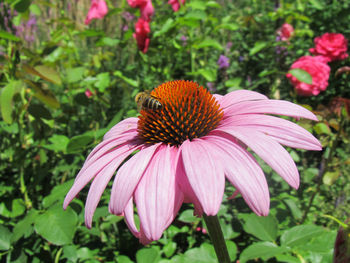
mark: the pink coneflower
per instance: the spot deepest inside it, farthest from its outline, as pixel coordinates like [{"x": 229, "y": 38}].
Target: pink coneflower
[{"x": 186, "y": 149}]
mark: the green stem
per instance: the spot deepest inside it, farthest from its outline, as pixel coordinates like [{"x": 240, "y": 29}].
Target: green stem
[{"x": 217, "y": 238}]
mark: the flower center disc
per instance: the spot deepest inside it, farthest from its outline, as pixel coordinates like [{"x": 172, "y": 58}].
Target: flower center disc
[{"x": 188, "y": 111}]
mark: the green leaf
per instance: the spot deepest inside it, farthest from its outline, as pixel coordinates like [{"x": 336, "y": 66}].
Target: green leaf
[
  {"x": 77, "y": 143},
  {"x": 330, "y": 177},
  {"x": 204, "y": 254},
  {"x": 233, "y": 83},
  {"x": 232, "y": 249},
  {"x": 39, "y": 111},
  {"x": 123, "y": 259},
  {"x": 58, "y": 143},
  {"x": 75, "y": 74},
  {"x": 322, "y": 128},
  {"x": 48, "y": 74},
  {"x": 107, "y": 41},
  {"x": 264, "y": 228},
  {"x": 208, "y": 43},
  {"x": 17, "y": 208},
  {"x": 8, "y": 36},
  {"x": 22, "y": 5},
  {"x": 7, "y": 94},
  {"x": 103, "y": 81},
  {"x": 148, "y": 255},
  {"x": 229, "y": 26},
  {"x": 44, "y": 95},
  {"x": 24, "y": 227},
  {"x": 263, "y": 250},
  {"x": 115, "y": 119},
  {"x": 260, "y": 45},
  {"x": 56, "y": 225},
  {"x": 300, "y": 235},
  {"x": 5, "y": 237},
  {"x": 169, "y": 249},
  {"x": 131, "y": 82},
  {"x": 317, "y": 4},
  {"x": 301, "y": 75},
  {"x": 70, "y": 253},
  {"x": 165, "y": 28},
  {"x": 208, "y": 74},
  {"x": 293, "y": 206},
  {"x": 187, "y": 216},
  {"x": 196, "y": 15},
  {"x": 57, "y": 194}
]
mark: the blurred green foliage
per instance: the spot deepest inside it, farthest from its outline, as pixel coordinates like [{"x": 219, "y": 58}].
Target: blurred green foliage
[{"x": 48, "y": 124}]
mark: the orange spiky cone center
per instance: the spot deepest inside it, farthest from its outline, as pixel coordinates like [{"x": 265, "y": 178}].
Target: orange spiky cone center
[{"x": 188, "y": 111}]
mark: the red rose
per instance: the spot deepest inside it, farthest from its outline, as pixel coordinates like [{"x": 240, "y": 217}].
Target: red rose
[
  {"x": 176, "y": 4},
  {"x": 318, "y": 69},
  {"x": 142, "y": 30},
  {"x": 332, "y": 46},
  {"x": 98, "y": 10},
  {"x": 145, "y": 6},
  {"x": 285, "y": 31}
]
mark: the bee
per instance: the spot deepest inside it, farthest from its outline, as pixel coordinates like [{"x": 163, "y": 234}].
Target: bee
[{"x": 145, "y": 101}]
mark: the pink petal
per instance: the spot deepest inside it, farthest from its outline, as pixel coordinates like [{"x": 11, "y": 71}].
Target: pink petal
[
  {"x": 156, "y": 195},
  {"x": 269, "y": 150},
  {"x": 239, "y": 96},
  {"x": 93, "y": 170},
  {"x": 129, "y": 124},
  {"x": 205, "y": 173},
  {"x": 243, "y": 171},
  {"x": 124, "y": 185},
  {"x": 99, "y": 185},
  {"x": 129, "y": 218},
  {"x": 283, "y": 131},
  {"x": 279, "y": 107}
]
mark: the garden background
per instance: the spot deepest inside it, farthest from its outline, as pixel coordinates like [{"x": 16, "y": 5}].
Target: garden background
[{"x": 64, "y": 84}]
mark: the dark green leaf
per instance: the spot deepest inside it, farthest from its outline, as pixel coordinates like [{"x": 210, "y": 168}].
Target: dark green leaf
[
  {"x": 169, "y": 249},
  {"x": 165, "y": 28},
  {"x": 317, "y": 4},
  {"x": 208, "y": 43},
  {"x": 148, "y": 255},
  {"x": 263, "y": 250},
  {"x": 257, "y": 47},
  {"x": 300, "y": 235},
  {"x": 8, "y": 36},
  {"x": 301, "y": 75},
  {"x": 187, "y": 216},
  {"x": 57, "y": 194},
  {"x": 56, "y": 225},
  {"x": 75, "y": 74},
  {"x": 58, "y": 143},
  {"x": 232, "y": 249},
  {"x": 5, "y": 237},
  {"x": 77, "y": 143},
  {"x": 264, "y": 228},
  {"x": 322, "y": 128},
  {"x": 47, "y": 73},
  {"x": 7, "y": 94},
  {"x": 39, "y": 111},
  {"x": 131, "y": 82},
  {"x": 203, "y": 254},
  {"x": 23, "y": 227},
  {"x": 17, "y": 208},
  {"x": 22, "y": 5}
]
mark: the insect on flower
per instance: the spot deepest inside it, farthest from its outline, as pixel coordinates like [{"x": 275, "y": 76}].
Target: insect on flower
[{"x": 146, "y": 101}]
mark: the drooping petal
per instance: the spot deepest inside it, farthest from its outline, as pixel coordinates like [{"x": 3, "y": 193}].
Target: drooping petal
[
  {"x": 205, "y": 173},
  {"x": 269, "y": 150},
  {"x": 239, "y": 96},
  {"x": 99, "y": 185},
  {"x": 129, "y": 124},
  {"x": 156, "y": 194},
  {"x": 245, "y": 174},
  {"x": 94, "y": 169},
  {"x": 278, "y": 107},
  {"x": 129, "y": 218},
  {"x": 127, "y": 178},
  {"x": 283, "y": 131}
]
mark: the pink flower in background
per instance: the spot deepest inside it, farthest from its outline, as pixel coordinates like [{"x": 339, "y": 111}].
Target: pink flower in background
[
  {"x": 145, "y": 6},
  {"x": 285, "y": 31},
  {"x": 88, "y": 93},
  {"x": 188, "y": 159},
  {"x": 98, "y": 10},
  {"x": 318, "y": 69},
  {"x": 332, "y": 46},
  {"x": 175, "y": 4},
  {"x": 142, "y": 30}
]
